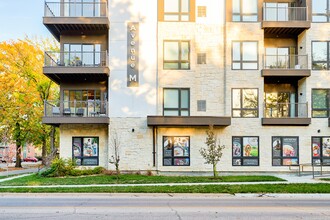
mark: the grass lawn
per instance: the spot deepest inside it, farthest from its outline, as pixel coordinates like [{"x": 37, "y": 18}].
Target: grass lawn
[
  {"x": 231, "y": 189},
  {"x": 35, "y": 180}
]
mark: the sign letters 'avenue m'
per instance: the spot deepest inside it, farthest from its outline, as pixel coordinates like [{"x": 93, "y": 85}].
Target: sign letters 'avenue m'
[{"x": 132, "y": 54}]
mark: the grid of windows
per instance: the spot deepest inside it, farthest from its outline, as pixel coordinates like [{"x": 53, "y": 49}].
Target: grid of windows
[
  {"x": 201, "y": 11},
  {"x": 321, "y": 11},
  {"x": 245, "y": 10},
  {"x": 201, "y": 58},
  {"x": 321, "y": 55},
  {"x": 176, "y": 151},
  {"x": 285, "y": 151},
  {"x": 177, "y": 55},
  {"x": 245, "y": 55},
  {"x": 176, "y": 102},
  {"x": 245, "y": 151},
  {"x": 320, "y": 103},
  {"x": 245, "y": 103},
  {"x": 85, "y": 151}
]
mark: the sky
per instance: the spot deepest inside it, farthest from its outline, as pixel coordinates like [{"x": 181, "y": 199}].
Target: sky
[{"x": 19, "y": 18}]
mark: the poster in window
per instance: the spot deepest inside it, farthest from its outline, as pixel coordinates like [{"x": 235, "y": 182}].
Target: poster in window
[
  {"x": 277, "y": 162},
  {"x": 326, "y": 162},
  {"x": 250, "y": 146},
  {"x": 90, "y": 147},
  {"x": 291, "y": 161},
  {"x": 181, "y": 161},
  {"x": 326, "y": 147},
  {"x": 181, "y": 146},
  {"x": 76, "y": 147},
  {"x": 316, "y": 149},
  {"x": 277, "y": 147},
  {"x": 250, "y": 162},
  {"x": 290, "y": 147},
  {"x": 317, "y": 161},
  {"x": 237, "y": 147},
  {"x": 237, "y": 162},
  {"x": 168, "y": 146},
  {"x": 89, "y": 161}
]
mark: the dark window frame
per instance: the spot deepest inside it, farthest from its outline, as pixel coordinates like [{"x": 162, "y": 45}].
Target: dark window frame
[
  {"x": 241, "y": 14},
  {"x": 242, "y": 150},
  {"x": 172, "y": 157},
  {"x": 82, "y": 157},
  {"x": 281, "y": 151},
  {"x": 179, "y": 61},
  {"x": 179, "y": 109},
  {"x": 321, "y": 158},
  {"x": 322, "y": 109},
  {"x": 241, "y": 103},
  {"x": 327, "y": 15},
  {"x": 241, "y": 61},
  {"x": 316, "y": 61}
]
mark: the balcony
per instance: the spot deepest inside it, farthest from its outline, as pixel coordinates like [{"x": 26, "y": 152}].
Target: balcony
[
  {"x": 75, "y": 112},
  {"x": 288, "y": 114},
  {"x": 285, "y": 65},
  {"x": 284, "y": 20},
  {"x": 64, "y": 17},
  {"x": 75, "y": 65}
]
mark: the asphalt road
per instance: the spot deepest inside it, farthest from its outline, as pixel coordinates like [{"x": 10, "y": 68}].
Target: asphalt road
[{"x": 162, "y": 206}]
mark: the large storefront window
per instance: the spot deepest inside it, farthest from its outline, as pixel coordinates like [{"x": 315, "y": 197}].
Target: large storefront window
[
  {"x": 176, "y": 151},
  {"x": 285, "y": 151},
  {"x": 245, "y": 103},
  {"x": 245, "y": 55},
  {"x": 245, "y": 151},
  {"x": 85, "y": 150},
  {"x": 176, "y": 55},
  {"x": 245, "y": 10},
  {"x": 176, "y": 102},
  {"x": 320, "y": 103},
  {"x": 321, "y": 150}
]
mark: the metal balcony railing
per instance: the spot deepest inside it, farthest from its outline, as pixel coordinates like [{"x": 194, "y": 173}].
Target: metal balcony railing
[
  {"x": 286, "y": 110},
  {"x": 76, "y": 59},
  {"x": 285, "y": 62},
  {"x": 76, "y": 9},
  {"x": 285, "y": 13},
  {"x": 93, "y": 108}
]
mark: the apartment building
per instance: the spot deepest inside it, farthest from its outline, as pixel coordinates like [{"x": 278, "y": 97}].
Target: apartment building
[{"x": 154, "y": 75}]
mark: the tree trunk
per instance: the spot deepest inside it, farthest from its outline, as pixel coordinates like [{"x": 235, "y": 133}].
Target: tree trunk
[
  {"x": 52, "y": 139},
  {"x": 18, "y": 155},
  {"x": 44, "y": 151},
  {"x": 215, "y": 173}
]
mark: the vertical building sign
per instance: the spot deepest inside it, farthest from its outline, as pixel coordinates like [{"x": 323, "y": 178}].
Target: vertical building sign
[{"x": 132, "y": 54}]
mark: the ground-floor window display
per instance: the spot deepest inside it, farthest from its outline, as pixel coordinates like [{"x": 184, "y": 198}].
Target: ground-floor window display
[
  {"x": 85, "y": 150},
  {"x": 245, "y": 151},
  {"x": 176, "y": 151},
  {"x": 285, "y": 151},
  {"x": 321, "y": 150}
]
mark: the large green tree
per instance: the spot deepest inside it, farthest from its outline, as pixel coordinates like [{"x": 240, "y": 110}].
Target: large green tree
[{"x": 24, "y": 89}]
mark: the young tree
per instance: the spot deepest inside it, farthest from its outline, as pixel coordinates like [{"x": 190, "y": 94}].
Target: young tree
[
  {"x": 213, "y": 152},
  {"x": 115, "y": 157}
]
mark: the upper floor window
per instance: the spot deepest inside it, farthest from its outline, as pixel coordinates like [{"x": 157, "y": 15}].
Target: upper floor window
[
  {"x": 320, "y": 55},
  {"x": 320, "y": 103},
  {"x": 177, "y": 55},
  {"x": 176, "y": 102},
  {"x": 83, "y": 55},
  {"x": 245, "y": 10},
  {"x": 245, "y": 55},
  {"x": 83, "y": 8},
  {"x": 245, "y": 103},
  {"x": 201, "y": 11},
  {"x": 176, "y": 10},
  {"x": 321, "y": 11}
]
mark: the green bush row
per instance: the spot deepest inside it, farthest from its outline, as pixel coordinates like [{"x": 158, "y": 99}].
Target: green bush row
[{"x": 61, "y": 167}]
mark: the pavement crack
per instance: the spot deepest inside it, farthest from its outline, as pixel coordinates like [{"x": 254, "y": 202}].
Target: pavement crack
[{"x": 175, "y": 211}]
